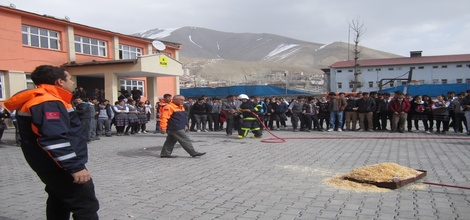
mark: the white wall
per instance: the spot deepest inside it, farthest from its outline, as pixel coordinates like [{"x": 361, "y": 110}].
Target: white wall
[{"x": 420, "y": 72}]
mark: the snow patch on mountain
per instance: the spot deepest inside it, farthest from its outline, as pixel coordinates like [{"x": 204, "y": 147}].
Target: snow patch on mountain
[
  {"x": 190, "y": 39},
  {"x": 281, "y": 48},
  {"x": 323, "y": 46},
  {"x": 157, "y": 33}
]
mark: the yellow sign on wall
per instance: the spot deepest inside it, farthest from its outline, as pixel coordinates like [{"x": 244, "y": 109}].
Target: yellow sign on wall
[{"x": 163, "y": 61}]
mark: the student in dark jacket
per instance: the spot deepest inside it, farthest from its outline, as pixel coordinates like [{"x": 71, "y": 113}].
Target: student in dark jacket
[
  {"x": 83, "y": 111},
  {"x": 200, "y": 110},
  {"x": 350, "y": 113},
  {"x": 365, "y": 109}
]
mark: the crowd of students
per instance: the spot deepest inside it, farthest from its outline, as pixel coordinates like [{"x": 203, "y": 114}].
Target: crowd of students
[
  {"x": 340, "y": 112},
  {"x": 334, "y": 112}
]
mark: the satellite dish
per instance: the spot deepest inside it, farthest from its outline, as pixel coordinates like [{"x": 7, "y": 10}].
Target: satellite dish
[{"x": 158, "y": 45}]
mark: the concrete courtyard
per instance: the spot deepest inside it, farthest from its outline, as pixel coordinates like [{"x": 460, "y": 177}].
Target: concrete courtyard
[{"x": 250, "y": 179}]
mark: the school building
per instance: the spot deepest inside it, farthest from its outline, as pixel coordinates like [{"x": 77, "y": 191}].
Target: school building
[
  {"x": 95, "y": 58},
  {"x": 393, "y": 72}
]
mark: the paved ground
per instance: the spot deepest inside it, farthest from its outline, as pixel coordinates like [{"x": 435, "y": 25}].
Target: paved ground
[{"x": 250, "y": 179}]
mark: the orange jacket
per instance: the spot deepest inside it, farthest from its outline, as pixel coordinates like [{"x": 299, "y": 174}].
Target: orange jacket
[
  {"x": 173, "y": 117},
  {"x": 51, "y": 133}
]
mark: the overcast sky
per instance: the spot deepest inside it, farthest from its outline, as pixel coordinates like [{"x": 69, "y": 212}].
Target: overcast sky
[{"x": 435, "y": 27}]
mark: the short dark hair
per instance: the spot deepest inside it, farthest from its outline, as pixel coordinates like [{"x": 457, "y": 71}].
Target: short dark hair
[
  {"x": 332, "y": 94},
  {"x": 166, "y": 95},
  {"x": 47, "y": 74}
]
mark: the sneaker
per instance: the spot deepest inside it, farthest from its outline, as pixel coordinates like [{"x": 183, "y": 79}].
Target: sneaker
[
  {"x": 277, "y": 129},
  {"x": 295, "y": 130},
  {"x": 198, "y": 130},
  {"x": 205, "y": 130},
  {"x": 340, "y": 130},
  {"x": 331, "y": 129},
  {"x": 138, "y": 132},
  {"x": 255, "y": 136},
  {"x": 428, "y": 132},
  {"x": 239, "y": 137},
  {"x": 144, "y": 132},
  {"x": 360, "y": 129},
  {"x": 285, "y": 128}
]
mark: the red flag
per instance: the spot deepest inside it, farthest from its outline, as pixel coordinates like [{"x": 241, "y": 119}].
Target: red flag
[{"x": 52, "y": 115}]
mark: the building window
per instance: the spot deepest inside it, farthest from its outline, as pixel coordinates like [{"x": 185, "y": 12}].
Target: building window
[
  {"x": 467, "y": 81},
  {"x": 129, "y": 52},
  {"x": 339, "y": 71},
  {"x": 435, "y": 81},
  {"x": 86, "y": 45},
  {"x": 371, "y": 84},
  {"x": 350, "y": 71},
  {"x": 392, "y": 83},
  {"x": 29, "y": 82},
  {"x": 399, "y": 68},
  {"x": 39, "y": 37},
  {"x": 130, "y": 84},
  {"x": 435, "y": 67},
  {"x": 412, "y": 68},
  {"x": 370, "y": 69},
  {"x": 390, "y": 68},
  {"x": 403, "y": 83},
  {"x": 459, "y": 66},
  {"x": 459, "y": 80},
  {"x": 2, "y": 85},
  {"x": 444, "y": 66},
  {"x": 340, "y": 85},
  {"x": 444, "y": 81},
  {"x": 420, "y": 67},
  {"x": 351, "y": 85}
]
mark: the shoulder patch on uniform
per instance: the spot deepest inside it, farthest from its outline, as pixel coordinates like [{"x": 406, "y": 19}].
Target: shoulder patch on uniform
[{"x": 52, "y": 115}]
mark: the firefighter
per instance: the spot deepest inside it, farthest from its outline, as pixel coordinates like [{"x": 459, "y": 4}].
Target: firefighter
[{"x": 248, "y": 109}]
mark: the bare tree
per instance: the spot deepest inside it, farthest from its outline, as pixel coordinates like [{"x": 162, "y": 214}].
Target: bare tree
[{"x": 358, "y": 30}]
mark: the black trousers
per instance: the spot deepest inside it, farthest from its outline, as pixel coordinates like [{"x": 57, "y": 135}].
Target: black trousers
[
  {"x": 66, "y": 197},
  {"x": 233, "y": 123}
]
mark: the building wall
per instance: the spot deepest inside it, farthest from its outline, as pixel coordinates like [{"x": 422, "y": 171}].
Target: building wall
[
  {"x": 426, "y": 74},
  {"x": 17, "y": 60}
]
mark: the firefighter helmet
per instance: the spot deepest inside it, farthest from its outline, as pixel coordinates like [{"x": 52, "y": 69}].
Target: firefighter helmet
[{"x": 243, "y": 96}]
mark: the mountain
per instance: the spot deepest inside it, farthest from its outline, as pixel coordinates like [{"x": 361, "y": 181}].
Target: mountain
[{"x": 240, "y": 57}]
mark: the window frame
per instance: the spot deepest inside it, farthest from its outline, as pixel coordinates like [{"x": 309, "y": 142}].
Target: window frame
[
  {"x": 129, "y": 53},
  {"x": 41, "y": 35},
  {"x": 129, "y": 84},
  {"x": 89, "y": 46}
]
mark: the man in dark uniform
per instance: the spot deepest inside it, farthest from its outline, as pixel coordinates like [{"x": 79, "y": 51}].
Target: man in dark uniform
[{"x": 53, "y": 143}]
